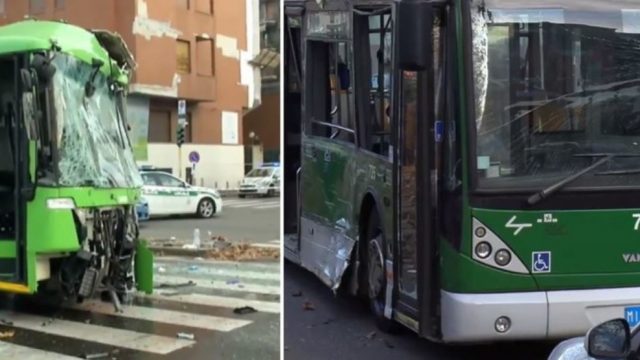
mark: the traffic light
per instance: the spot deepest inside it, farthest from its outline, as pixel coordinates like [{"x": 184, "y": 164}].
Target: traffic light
[{"x": 180, "y": 136}]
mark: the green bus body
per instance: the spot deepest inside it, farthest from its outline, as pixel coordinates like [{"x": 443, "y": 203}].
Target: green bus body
[
  {"x": 574, "y": 253},
  {"x": 57, "y": 225}
]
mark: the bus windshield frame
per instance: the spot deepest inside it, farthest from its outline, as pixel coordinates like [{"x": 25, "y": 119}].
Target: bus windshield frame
[{"x": 556, "y": 87}]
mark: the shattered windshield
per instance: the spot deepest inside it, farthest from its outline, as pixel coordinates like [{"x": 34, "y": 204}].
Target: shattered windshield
[
  {"x": 93, "y": 145},
  {"x": 557, "y": 87}
]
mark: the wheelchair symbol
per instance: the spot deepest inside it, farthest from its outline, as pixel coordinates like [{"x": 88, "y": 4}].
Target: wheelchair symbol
[{"x": 541, "y": 262}]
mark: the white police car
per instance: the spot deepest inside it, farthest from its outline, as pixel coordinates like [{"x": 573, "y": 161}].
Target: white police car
[
  {"x": 168, "y": 195},
  {"x": 263, "y": 180}
]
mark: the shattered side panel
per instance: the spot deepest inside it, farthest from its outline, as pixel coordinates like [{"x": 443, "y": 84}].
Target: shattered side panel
[
  {"x": 325, "y": 251},
  {"x": 92, "y": 140}
]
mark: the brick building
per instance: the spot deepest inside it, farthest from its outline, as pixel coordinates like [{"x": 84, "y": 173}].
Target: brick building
[{"x": 197, "y": 50}]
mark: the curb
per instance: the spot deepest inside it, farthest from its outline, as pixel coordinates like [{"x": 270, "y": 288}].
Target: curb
[{"x": 258, "y": 252}]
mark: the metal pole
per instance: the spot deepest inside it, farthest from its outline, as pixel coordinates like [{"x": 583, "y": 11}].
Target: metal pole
[{"x": 180, "y": 167}]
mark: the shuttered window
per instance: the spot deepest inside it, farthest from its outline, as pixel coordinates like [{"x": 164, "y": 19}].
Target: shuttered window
[{"x": 183, "y": 56}]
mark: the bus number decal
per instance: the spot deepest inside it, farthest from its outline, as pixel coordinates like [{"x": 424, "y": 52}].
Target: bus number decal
[{"x": 637, "y": 226}]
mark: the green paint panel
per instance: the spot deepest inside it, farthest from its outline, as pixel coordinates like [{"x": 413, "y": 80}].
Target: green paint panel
[
  {"x": 7, "y": 248},
  {"x": 35, "y": 35},
  {"x": 587, "y": 247}
]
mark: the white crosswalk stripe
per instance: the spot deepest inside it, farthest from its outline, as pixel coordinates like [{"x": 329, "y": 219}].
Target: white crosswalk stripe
[
  {"x": 186, "y": 309},
  {"x": 254, "y": 204}
]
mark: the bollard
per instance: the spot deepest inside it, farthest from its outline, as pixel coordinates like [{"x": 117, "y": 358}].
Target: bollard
[{"x": 196, "y": 238}]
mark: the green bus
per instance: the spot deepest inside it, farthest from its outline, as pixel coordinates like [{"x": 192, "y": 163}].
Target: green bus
[
  {"x": 470, "y": 167},
  {"x": 68, "y": 179}
]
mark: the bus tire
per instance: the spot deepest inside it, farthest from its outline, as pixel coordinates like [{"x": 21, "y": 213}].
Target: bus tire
[{"x": 375, "y": 279}]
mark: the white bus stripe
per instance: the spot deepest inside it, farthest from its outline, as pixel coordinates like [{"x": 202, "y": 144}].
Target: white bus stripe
[
  {"x": 170, "y": 317},
  {"x": 218, "y": 284},
  {"x": 14, "y": 351},
  {"x": 100, "y": 334},
  {"x": 219, "y": 301}
]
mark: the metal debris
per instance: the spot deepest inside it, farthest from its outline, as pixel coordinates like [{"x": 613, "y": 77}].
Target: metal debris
[
  {"x": 186, "y": 336},
  {"x": 244, "y": 310},
  {"x": 308, "y": 305}
]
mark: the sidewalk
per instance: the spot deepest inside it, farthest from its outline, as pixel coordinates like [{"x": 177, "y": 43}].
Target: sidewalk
[{"x": 217, "y": 248}]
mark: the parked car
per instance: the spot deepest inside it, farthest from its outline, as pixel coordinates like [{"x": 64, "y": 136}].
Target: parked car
[
  {"x": 168, "y": 195},
  {"x": 142, "y": 209},
  {"x": 263, "y": 180},
  {"x": 610, "y": 340}
]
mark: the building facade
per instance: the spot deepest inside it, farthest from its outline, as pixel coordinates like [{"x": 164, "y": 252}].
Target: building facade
[
  {"x": 197, "y": 50},
  {"x": 261, "y": 132}
]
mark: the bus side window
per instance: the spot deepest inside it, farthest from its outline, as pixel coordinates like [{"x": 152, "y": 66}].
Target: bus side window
[
  {"x": 330, "y": 98},
  {"x": 373, "y": 56}
]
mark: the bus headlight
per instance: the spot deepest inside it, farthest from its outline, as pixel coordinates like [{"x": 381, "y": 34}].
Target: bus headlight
[
  {"x": 503, "y": 257},
  {"x": 483, "y": 250}
]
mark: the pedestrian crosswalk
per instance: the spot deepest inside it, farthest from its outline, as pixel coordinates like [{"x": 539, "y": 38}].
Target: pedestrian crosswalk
[
  {"x": 200, "y": 298},
  {"x": 258, "y": 204}
]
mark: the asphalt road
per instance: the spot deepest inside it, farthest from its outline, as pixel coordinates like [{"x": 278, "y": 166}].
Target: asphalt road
[
  {"x": 255, "y": 220},
  {"x": 148, "y": 328},
  {"x": 342, "y": 328}
]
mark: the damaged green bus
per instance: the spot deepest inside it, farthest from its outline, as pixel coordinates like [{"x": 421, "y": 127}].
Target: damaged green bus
[
  {"x": 68, "y": 179},
  {"x": 470, "y": 167}
]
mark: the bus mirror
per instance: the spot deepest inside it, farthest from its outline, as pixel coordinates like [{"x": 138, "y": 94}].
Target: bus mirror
[{"x": 414, "y": 32}]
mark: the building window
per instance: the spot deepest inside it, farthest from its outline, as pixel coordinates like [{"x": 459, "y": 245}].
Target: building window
[
  {"x": 159, "y": 126},
  {"x": 36, "y": 6},
  {"x": 2, "y": 9},
  {"x": 59, "y": 4},
  {"x": 204, "y": 6},
  {"x": 205, "y": 56},
  {"x": 184, "y": 4},
  {"x": 183, "y": 57}
]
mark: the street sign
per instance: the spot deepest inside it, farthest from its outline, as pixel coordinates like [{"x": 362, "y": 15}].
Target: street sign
[
  {"x": 182, "y": 108},
  {"x": 194, "y": 157}
]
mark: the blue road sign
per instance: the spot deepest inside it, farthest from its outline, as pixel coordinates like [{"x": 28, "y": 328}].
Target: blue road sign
[{"x": 194, "y": 157}]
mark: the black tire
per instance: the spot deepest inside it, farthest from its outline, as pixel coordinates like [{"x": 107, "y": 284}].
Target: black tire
[
  {"x": 242, "y": 196},
  {"x": 374, "y": 274},
  {"x": 271, "y": 192},
  {"x": 206, "y": 208}
]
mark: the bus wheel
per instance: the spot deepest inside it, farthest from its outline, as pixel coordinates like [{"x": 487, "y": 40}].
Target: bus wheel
[{"x": 376, "y": 279}]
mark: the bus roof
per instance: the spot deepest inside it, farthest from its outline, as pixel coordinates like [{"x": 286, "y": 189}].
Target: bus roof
[{"x": 35, "y": 35}]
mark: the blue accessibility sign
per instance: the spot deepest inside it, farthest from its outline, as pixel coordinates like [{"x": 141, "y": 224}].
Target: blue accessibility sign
[
  {"x": 541, "y": 262},
  {"x": 194, "y": 157}
]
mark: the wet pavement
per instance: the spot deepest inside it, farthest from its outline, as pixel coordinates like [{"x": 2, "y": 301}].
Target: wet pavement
[
  {"x": 199, "y": 299},
  {"x": 319, "y": 325}
]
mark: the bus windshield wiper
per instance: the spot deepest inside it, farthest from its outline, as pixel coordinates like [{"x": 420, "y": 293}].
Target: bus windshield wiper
[{"x": 545, "y": 193}]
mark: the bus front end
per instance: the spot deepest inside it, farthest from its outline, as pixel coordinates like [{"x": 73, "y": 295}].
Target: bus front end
[
  {"x": 550, "y": 235},
  {"x": 69, "y": 179}
]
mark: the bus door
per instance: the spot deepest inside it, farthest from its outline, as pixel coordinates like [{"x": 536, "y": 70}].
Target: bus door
[
  {"x": 16, "y": 126},
  {"x": 292, "y": 128},
  {"x": 419, "y": 132}
]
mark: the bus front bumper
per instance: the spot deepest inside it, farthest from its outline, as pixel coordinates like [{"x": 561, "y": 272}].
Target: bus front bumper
[{"x": 532, "y": 315}]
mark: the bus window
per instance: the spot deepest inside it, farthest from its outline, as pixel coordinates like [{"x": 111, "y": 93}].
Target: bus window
[
  {"x": 374, "y": 64},
  {"x": 330, "y": 90}
]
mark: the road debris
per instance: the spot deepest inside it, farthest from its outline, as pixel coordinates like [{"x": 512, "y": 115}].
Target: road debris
[
  {"x": 97, "y": 355},
  {"x": 186, "y": 336},
  {"x": 7, "y": 334},
  {"x": 174, "y": 286},
  {"x": 308, "y": 305},
  {"x": 244, "y": 310},
  {"x": 371, "y": 335},
  {"x": 389, "y": 344},
  {"x": 297, "y": 294}
]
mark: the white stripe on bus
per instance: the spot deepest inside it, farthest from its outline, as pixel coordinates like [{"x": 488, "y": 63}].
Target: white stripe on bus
[
  {"x": 219, "y": 301},
  {"x": 170, "y": 317},
  {"x": 218, "y": 284},
  {"x": 13, "y": 351},
  {"x": 100, "y": 334}
]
